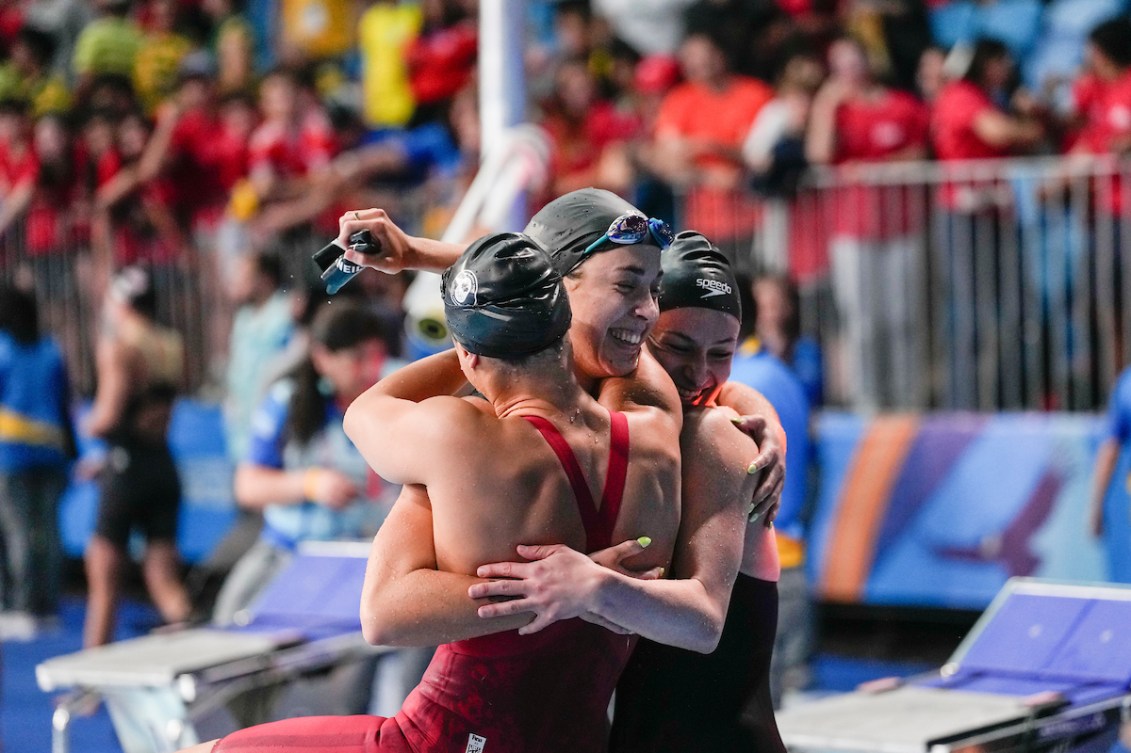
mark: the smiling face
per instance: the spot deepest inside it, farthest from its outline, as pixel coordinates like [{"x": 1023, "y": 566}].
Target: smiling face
[
  {"x": 613, "y": 297},
  {"x": 695, "y": 346}
]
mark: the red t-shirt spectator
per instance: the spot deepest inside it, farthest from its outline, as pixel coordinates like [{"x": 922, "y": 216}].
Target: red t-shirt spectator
[
  {"x": 196, "y": 167},
  {"x": 1108, "y": 130},
  {"x": 952, "y": 122},
  {"x": 695, "y": 112},
  {"x": 294, "y": 152},
  {"x": 872, "y": 130},
  {"x": 577, "y": 147},
  {"x": 440, "y": 62},
  {"x": 17, "y": 166}
]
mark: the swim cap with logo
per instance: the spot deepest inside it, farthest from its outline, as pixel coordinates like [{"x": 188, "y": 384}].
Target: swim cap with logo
[
  {"x": 504, "y": 299},
  {"x": 571, "y": 223},
  {"x": 697, "y": 275}
]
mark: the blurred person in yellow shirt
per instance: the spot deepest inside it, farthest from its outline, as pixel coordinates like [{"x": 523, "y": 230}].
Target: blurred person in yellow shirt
[{"x": 385, "y": 31}]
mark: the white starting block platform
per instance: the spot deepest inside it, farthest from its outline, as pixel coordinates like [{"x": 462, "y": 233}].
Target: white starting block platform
[
  {"x": 1047, "y": 667},
  {"x": 157, "y": 687}
]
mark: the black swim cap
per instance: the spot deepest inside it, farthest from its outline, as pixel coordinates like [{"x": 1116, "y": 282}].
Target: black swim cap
[
  {"x": 569, "y": 224},
  {"x": 697, "y": 275},
  {"x": 503, "y": 298}
]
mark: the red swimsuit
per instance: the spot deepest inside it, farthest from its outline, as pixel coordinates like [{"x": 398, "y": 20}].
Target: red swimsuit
[{"x": 501, "y": 693}]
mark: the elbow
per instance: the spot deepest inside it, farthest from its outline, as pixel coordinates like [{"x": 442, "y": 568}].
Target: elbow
[
  {"x": 707, "y": 639},
  {"x": 379, "y": 630}
]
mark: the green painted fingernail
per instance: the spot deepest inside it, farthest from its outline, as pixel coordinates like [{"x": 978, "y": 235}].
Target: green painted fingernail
[
  {"x": 644, "y": 541},
  {"x": 753, "y": 468},
  {"x": 736, "y": 420}
]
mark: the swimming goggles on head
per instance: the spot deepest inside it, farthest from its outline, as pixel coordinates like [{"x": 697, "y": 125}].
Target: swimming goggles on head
[{"x": 632, "y": 228}]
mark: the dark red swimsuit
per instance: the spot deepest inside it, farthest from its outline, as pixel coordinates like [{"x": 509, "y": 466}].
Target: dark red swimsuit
[{"x": 501, "y": 693}]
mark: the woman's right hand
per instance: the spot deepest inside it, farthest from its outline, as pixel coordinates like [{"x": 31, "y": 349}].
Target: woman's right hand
[
  {"x": 396, "y": 252},
  {"x": 328, "y": 487}
]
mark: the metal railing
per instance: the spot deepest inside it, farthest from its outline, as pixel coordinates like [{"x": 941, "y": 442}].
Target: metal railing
[
  {"x": 989, "y": 285},
  {"x": 928, "y": 285}
]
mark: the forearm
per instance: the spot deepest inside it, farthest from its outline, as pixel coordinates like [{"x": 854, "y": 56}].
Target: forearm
[
  {"x": 1106, "y": 459},
  {"x": 426, "y": 608},
  {"x": 436, "y": 375},
  {"x": 257, "y": 487},
  {"x": 677, "y": 613}
]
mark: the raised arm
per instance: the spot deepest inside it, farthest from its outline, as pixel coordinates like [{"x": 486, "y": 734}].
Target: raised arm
[
  {"x": 398, "y": 250},
  {"x": 406, "y": 600},
  {"x": 394, "y": 418}
]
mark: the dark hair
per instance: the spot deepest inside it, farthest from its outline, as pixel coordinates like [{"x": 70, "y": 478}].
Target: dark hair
[
  {"x": 791, "y": 325},
  {"x": 270, "y": 265},
  {"x": 336, "y": 326},
  {"x": 12, "y": 105},
  {"x": 1113, "y": 39},
  {"x": 749, "y": 319},
  {"x": 40, "y": 43},
  {"x": 986, "y": 50},
  {"x": 19, "y": 315}
]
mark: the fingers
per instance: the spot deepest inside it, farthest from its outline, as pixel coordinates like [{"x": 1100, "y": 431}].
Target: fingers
[
  {"x": 767, "y": 458},
  {"x": 537, "y": 552},
  {"x": 511, "y": 588},
  {"x": 504, "y": 608},
  {"x": 360, "y": 219},
  {"x": 655, "y": 573},
  {"x": 614, "y": 555},
  {"x": 502, "y": 570},
  {"x": 752, "y": 425}
]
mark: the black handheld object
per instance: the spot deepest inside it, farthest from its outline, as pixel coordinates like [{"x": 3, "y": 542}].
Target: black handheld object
[{"x": 336, "y": 269}]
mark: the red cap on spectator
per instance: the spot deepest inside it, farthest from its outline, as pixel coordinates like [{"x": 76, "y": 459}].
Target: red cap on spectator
[{"x": 656, "y": 74}]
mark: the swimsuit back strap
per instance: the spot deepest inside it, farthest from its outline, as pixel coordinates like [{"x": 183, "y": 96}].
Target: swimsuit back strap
[
  {"x": 585, "y": 504},
  {"x": 614, "y": 479}
]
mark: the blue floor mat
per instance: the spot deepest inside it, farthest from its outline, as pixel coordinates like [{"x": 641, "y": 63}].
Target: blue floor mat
[{"x": 25, "y": 710}]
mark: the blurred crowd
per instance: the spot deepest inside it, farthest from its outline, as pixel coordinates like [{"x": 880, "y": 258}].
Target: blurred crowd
[{"x": 187, "y": 134}]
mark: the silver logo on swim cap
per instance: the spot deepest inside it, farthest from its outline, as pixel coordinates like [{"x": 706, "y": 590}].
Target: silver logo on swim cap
[
  {"x": 713, "y": 287},
  {"x": 464, "y": 288}
]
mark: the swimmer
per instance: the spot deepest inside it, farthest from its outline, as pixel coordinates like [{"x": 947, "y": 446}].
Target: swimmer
[
  {"x": 535, "y": 459},
  {"x": 671, "y": 698}
]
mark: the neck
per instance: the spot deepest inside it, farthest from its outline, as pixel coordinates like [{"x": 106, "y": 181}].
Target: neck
[{"x": 546, "y": 393}]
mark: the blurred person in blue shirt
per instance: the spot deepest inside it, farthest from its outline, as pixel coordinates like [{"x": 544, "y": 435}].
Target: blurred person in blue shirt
[
  {"x": 778, "y": 327},
  {"x": 37, "y": 444},
  {"x": 1111, "y": 522},
  {"x": 755, "y": 366},
  {"x": 300, "y": 469}
]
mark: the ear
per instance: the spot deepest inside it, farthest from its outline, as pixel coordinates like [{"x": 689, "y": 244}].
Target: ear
[{"x": 467, "y": 359}]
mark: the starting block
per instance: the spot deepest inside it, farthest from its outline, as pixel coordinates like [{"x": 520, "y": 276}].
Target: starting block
[
  {"x": 157, "y": 687},
  {"x": 1047, "y": 667}
]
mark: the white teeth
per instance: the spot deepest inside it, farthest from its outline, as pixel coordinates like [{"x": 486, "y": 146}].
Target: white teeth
[{"x": 626, "y": 336}]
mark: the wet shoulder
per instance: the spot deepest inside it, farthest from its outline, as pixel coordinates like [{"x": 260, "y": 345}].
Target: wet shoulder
[{"x": 710, "y": 436}]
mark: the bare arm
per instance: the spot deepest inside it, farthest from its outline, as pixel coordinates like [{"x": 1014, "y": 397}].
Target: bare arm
[
  {"x": 405, "y": 600},
  {"x": 1106, "y": 458},
  {"x": 760, "y": 422},
  {"x": 15, "y": 204},
  {"x": 113, "y": 389},
  {"x": 259, "y": 486},
  {"x": 391, "y": 420},
  {"x": 1000, "y": 130},
  {"x": 399, "y": 251},
  {"x": 820, "y": 135}
]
